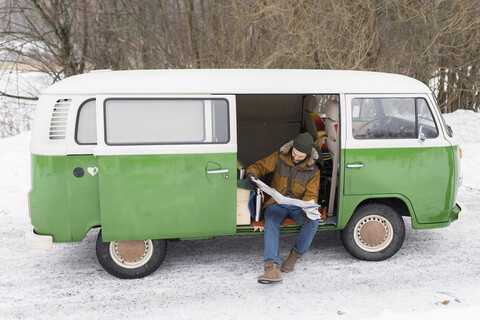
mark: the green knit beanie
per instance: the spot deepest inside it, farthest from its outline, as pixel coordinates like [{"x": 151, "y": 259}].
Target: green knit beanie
[{"x": 303, "y": 143}]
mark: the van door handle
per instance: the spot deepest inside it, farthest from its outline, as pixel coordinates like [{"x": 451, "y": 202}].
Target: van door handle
[
  {"x": 355, "y": 165},
  {"x": 218, "y": 171}
]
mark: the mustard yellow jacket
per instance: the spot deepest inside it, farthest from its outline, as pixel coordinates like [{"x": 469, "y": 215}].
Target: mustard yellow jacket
[{"x": 300, "y": 182}]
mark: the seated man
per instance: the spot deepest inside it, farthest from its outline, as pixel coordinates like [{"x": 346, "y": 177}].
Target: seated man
[{"x": 294, "y": 175}]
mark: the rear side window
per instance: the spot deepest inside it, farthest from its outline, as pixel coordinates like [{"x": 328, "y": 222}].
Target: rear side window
[
  {"x": 86, "y": 130},
  {"x": 166, "y": 121},
  {"x": 392, "y": 118}
]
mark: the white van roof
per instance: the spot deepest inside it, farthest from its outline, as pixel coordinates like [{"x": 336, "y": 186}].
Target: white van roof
[{"x": 235, "y": 81}]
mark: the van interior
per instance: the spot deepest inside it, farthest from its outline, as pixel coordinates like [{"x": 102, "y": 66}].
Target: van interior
[{"x": 266, "y": 122}]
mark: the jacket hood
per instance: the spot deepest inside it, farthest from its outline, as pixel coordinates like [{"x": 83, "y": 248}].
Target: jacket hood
[{"x": 285, "y": 149}]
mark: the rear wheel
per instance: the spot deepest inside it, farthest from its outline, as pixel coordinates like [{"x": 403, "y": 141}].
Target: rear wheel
[
  {"x": 131, "y": 259},
  {"x": 375, "y": 232}
]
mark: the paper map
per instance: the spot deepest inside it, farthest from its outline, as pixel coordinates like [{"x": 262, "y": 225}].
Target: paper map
[{"x": 310, "y": 207}]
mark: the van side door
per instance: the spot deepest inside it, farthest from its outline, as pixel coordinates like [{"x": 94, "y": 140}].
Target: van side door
[
  {"x": 395, "y": 148},
  {"x": 166, "y": 166}
]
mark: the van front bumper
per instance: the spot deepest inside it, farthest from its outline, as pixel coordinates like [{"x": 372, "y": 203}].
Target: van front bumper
[
  {"x": 36, "y": 241},
  {"x": 455, "y": 212}
]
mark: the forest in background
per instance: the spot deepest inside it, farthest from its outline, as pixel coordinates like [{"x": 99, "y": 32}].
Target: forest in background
[{"x": 434, "y": 41}]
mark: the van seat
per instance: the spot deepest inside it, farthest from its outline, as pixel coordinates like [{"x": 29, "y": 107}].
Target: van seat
[
  {"x": 310, "y": 105},
  {"x": 331, "y": 126},
  {"x": 261, "y": 223}
]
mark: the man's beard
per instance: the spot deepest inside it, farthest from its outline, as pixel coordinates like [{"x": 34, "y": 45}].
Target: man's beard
[{"x": 299, "y": 162}]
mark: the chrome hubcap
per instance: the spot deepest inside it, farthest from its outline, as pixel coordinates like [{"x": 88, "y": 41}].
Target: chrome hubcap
[
  {"x": 373, "y": 233},
  {"x": 131, "y": 254}
]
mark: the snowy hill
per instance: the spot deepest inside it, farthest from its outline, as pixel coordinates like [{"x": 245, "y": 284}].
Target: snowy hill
[{"x": 434, "y": 275}]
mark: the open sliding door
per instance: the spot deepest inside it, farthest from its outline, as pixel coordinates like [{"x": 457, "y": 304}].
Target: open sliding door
[{"x": 166, "y": 166}]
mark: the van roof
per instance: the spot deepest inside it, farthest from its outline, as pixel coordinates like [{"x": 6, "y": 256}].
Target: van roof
[{"x": 235, "y": 81}]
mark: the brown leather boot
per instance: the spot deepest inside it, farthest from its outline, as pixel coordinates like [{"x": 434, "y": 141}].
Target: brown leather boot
[
  {"x": 272, "y": 273},
  {"x": 289, "y": 263}
]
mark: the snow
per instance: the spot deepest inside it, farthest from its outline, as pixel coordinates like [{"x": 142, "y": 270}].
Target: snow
[
  {"x": 465, "y": 126},
  {"x": 434, "y": 275}
]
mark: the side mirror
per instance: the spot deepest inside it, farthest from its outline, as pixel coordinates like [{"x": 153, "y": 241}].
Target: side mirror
[{"x": 449, "y": 131}]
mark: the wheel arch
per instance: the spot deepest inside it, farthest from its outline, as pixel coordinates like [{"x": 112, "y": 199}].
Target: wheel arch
[
  {"x": 400, "y": 203},
  {"x": 81, "y": 231},
  {"x": 374, "y": 233}
]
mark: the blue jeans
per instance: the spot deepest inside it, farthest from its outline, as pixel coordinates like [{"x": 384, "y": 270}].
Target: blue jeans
[{"x": 274, "y": 216}]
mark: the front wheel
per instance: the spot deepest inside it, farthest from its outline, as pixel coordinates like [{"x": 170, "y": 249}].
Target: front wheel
[
  {"x": 375, "y": 232},
  {"x": 131, "y": 259}
]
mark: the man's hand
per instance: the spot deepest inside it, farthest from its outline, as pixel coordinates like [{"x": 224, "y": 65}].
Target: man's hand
[
  {"x": 305, "y": 219},
  {"x": 248, "y": 184}
]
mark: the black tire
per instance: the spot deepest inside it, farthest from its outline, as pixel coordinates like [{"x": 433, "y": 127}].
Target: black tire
[
  {"x": 375, "y": 232},
  {"x": 140, "y": 258}
]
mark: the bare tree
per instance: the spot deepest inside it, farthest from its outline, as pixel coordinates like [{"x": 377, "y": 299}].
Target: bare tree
[{"x": 434, "y": 41}]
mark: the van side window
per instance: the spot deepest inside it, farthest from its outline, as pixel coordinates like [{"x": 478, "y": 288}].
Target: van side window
[
  {"x": 392, "y": 118},
  {"x": 425, "y": 119},
  {"x": 86, "y": 130},
  {"x": 220, "y": 126},
  {"x": 165, "y": 121},
  {"x": 365, "y": 109}
]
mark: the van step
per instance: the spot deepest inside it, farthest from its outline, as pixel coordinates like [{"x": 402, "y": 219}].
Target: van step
[{"x": 328, "y": 223}]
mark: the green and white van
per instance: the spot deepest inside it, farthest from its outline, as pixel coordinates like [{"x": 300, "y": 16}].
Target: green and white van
[{"x": 152, "y": 156}]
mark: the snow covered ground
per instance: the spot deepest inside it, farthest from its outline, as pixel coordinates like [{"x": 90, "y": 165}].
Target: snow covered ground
[{"x": 436, "y": 274}]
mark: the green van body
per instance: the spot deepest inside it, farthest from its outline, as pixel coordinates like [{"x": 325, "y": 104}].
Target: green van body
[
  {"x": 178, "y": 214},
  {"x": 74, "y": 208},
  {"x": 136, "y": 192}
]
